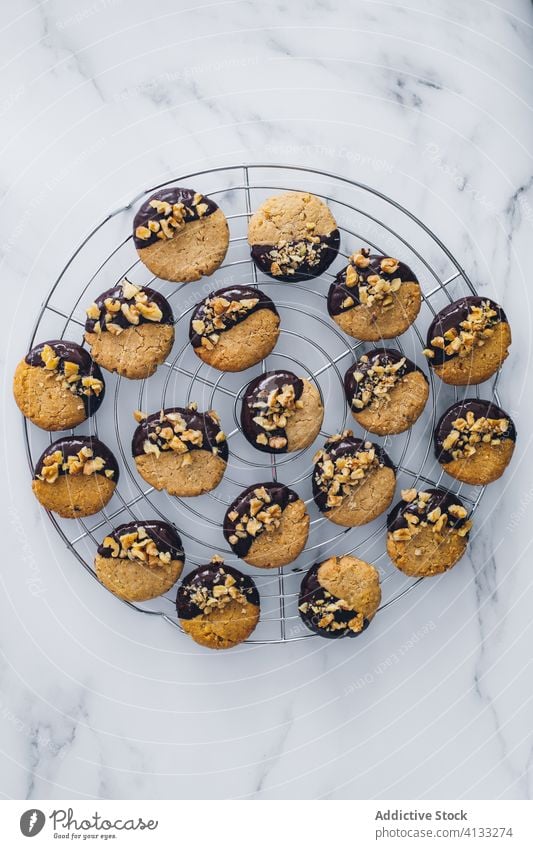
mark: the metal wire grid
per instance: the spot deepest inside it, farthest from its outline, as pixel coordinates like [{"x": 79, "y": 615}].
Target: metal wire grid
[{"x": 248, "y": 185}]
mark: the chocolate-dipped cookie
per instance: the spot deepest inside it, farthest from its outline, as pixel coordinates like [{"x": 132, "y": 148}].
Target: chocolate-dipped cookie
[
  {"x": 217, "y": 605},
  {"x": 57, "y": 385},
  {"x": 140, "y": 560},
  {"x": 468, "y": 341},
  {"x": 374, "y": 297},
  {"x": 180, "y": 234},
  {"x": 75, "y": 476},
  {"x": 339, "y": 597},
  {"x": 281, "y": 412},
  {"x": 427, "y": 532},
  {"x": 353, "y": 480},
  {"x": 180, "y": 450},
  {"x": 130, "y": 330},
  {"x": 293, "y": 237},
  {"x": 386, "y": 392},
  {"x": 474, "y": 441},
  {"x": 234, "y": 328},
  {"x": 267, "y": 525}
]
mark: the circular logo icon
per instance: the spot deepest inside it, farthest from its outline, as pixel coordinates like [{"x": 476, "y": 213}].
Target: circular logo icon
[{"x": 32, "y": 822}]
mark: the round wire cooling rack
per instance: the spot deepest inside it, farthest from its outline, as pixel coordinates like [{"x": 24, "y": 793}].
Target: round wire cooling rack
[{"x": 310, "y": 344}]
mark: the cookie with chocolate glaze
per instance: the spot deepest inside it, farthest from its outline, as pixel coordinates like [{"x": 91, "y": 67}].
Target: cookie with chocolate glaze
[
  {"x": 386, "y": 392},
  {"x": 427, "y": 532},
  {"x": 374, "y": 297},
  {"x": 281, "y": 412},
  {"x": 267, "y": 525},
  {"x": 353, "y": 480},
  {"x": 57, "y": 385},
  {"x": 75, "y": 476},
  {"x": 339, "y": 597},
  {"x": 468, "y": 341},
  {"x": 130, "y": 330},
  {"x": 140, "y": 560},
  {"x": 180, "y": 450},
  {"x": 474, "y": 441},
  {"x": 217, "y": 605},
  {"x": 234, "y": 328},
  {"x": 293, "y": 237},
  {"x": 180, "y": 234}
]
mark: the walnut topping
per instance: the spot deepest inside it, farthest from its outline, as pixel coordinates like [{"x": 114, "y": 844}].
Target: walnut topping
[
  {"x": 377, "y": 290},
  {"x": 375, "y": 383},
  {"x": 136, "y": 306},
  {"x": 173, "y": 217},
  {"x": 361, "y": 259},
  {"x": 287, "y": 257},
  {"x": 261, "y": 516},
  {"x": 137, "y": 545},
  {"x": 325, "y": 608},
  {"x": 69, "y": 376},
  {"x": 223, "y": 592},
  {"x": 274, "y": 411},
  {"x": 171, "y": 433},
  {"x": 218, "y": 314},
  {"x": 82, "y": 463},
  {"x": 473, "y": 332},
  {"x": 389, "y": 265},
  {"x": 339, "y": 477},
  {"x": 417, "y": 517},
  {"x": 468, "y": 432}
]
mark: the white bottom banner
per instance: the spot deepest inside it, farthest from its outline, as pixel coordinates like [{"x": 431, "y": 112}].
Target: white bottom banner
[{"x": 269, "y": 823}]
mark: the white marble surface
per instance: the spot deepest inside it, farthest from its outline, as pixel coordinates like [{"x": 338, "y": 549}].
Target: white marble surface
[{"x": 426, "y": 101}]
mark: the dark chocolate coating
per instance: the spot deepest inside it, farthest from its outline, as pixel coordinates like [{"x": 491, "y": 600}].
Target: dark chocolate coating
[
  {"x": 172, "y": 195},
  {"x": 338, "y": 290},
  {"x": 231, "y": 293},
  {"x": 452, "y": 316},
  {"x": 459, "y": 410},
  {"x": 209, "y": 576},
  {"x": 377, "y": 356},
  {"x": 331, "y": 241},
  {"x": 256, "y": 389},
  {"x": 71, "y": 445},
  {"x": 348, "y": 445},
  {"x": 119, "y": 317},
  {"x": 194, "y": 420},
  {"x": 164, "y": 535},
  {"x": 279, "y": 494},
  {"x": 439, "y": 498},
  {"x": 73, "y": 353},
  {"x": 311, "y": 591}
]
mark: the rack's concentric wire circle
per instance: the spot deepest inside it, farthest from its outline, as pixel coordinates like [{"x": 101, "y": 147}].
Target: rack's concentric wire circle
[{"x": 310, "y": 344}]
